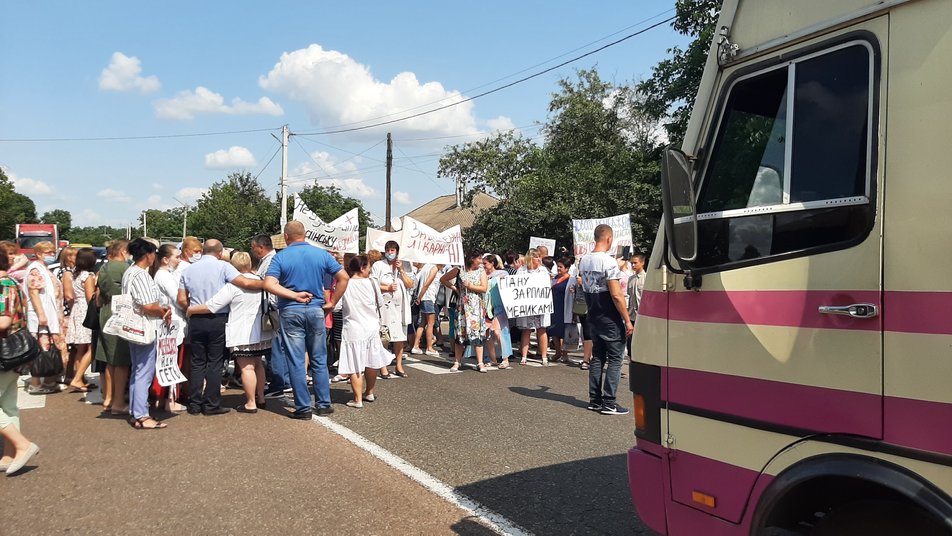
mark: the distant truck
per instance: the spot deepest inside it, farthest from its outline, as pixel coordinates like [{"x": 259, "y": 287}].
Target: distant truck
[{"x": 30, "y": 234}]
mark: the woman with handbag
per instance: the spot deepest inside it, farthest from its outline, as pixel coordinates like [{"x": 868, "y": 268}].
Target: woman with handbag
[
  {"x": 137, "y": 283},
  {"x": 361, "y": 349},
  {"x": 246, "y": 335},
  {"x": 79, "y": 294},
  {"x": 394, "y": 283},
  {"x": 112, "y": 350},
  {"x": 17, "y": 449},
  {"x": 44, "y": 311}
]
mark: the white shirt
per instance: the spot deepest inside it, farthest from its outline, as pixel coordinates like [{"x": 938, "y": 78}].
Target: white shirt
[
  {"x": 244, "y": 317},
  {"x": 430, "y": 293}
]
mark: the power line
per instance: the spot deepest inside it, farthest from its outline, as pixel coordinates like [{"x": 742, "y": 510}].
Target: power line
[
  {"x": 528, "y": 127},
  {"x": 269, "y": 162},
  {"x": 130, "y": 138},
  {"x": 494, "y": 90}
]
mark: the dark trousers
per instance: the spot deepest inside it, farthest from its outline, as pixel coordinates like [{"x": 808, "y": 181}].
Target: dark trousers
[{"x": 208, "y": 355}]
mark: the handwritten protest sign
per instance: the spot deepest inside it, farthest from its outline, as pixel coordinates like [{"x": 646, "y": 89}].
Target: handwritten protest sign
[
  {"x": 526, "y": 294},
  {"x": 583, "y": 231},
  {"x": 166, "y": 360},
  {"x": 338, "y": 235},
  {"x": 535, "y": 241},
  {"x": 377, "y": 239},
  {"x": 422, "y": 243}
]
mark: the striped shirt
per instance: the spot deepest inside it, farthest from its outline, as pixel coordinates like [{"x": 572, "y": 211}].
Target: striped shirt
[{"x": 139, "y": 284}]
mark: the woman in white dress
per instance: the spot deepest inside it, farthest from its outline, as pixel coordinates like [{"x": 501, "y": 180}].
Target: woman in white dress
[
  {"x": 361, "y": 352},
  {"x": 244, "y": 334},
  {"x": 393, "y": 282},
  {"x": 539, "y": 323}
]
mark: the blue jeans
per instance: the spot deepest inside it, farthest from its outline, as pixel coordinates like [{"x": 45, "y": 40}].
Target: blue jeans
[
  {"x": 278, "y": 367},
  {"x": 302, "y": 330},
  {"x": 140, "y": 378},
  {"x": 608, "y": 354}
]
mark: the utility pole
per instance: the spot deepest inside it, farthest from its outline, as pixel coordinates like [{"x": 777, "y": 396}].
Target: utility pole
[
  {"x": 389, "y": 167},
  {"x": 145, "y": 228},
  {"x": 184, "y": 216},
  {"x": 284, "y": 175}
]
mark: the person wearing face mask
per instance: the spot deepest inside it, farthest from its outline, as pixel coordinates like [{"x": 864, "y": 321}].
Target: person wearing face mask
[
  {"x": 394, "y": 281},
  {"x": 112, "y": 350},
  {"x": 191, "y": 251},
  {"x": 44, "y": 309}
]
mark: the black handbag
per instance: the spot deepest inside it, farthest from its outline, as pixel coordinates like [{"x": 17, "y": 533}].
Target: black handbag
[
  {"x": 91, "y": 321},
  {"x": 17, "y": 349},
  {"x": 47, "y": 363}
]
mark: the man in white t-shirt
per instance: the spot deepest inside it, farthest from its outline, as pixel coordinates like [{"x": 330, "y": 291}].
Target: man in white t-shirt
[{"x": 608, "y": 322}]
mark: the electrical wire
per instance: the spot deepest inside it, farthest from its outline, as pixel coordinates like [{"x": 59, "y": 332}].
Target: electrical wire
[
  {"x": 269, "y": 162},
  {"x": 491, "y": 91},
  {"x": 131, "y": 138}
]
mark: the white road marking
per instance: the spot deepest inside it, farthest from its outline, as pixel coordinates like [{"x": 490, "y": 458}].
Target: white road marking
[
  {"x": 487, "y": 517},
  {"x": 427, "y": 367}
]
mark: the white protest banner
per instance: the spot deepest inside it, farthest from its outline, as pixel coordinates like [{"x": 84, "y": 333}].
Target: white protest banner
[
  {"x": 422, "y": 243},
  {"x": 526, "y": 294},
  {"x": 377, "y": 239},
  {"x": 338, "y": 235},
  {"x": 166, "y": 359},
  {"x": 535, "y": 241},
  {"x": 583, "y": 231}
]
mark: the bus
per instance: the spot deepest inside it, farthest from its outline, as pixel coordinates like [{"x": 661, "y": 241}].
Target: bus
[{"x": 792, "y": 358}]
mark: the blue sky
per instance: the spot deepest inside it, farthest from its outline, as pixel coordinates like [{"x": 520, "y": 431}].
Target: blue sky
[{"x": 126, "y": 69}]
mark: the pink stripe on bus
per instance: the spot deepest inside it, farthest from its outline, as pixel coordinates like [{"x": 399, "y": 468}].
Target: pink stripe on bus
[
  {"x": 919, "y": 424},
  {"x": 806, "y": 407},
  {"x": 918, "y": 312}
]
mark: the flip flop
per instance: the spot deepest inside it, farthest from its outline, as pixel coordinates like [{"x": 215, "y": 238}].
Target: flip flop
[{"x": 74, "y": 389}]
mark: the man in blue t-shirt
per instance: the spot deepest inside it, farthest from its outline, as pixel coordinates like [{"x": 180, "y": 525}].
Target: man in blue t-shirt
[
  {"x": 301, "y": 268},
  {"x": 608, "y": 322}
]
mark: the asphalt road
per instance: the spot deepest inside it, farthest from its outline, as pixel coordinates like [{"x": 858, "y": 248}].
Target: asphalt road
[{"x": 519, "y": 443}]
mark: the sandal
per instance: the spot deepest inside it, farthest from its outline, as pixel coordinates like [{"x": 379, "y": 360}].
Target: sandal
[
  {"x": 139, "y": 424},
  {"x": 504, "y": 365},
  {"x": 523, "y": 361},
  {"x": 74, "y": 389},
  {"x": 355, "y": 404},
  {"x": 455, "y": 367},
  {"x": 583, "y": 366}
]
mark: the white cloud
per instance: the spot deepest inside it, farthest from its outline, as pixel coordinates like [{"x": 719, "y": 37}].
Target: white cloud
[
  {"x": 186, "y": 104},
  {"x": 190, "y": 194},
  {"x": 233, "y": 157},
  {"x": 501, "y": 124},
  {"x": 122, "y": 74},
  {"x": 325, "y": 170},
  {"x": 337, "y": 90},
  {"x": 401, "y": 197},
  {"x": 28, "y": 187},
  {"x": 113, "y": 195},
  {"x": 87, "y": 217}
]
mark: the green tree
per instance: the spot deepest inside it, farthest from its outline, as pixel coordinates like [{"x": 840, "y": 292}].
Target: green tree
[
  {"x": 62, "y": 218},
  {"x": 671, "y": 89},
  {"x": 95, "y": 235},
  {"x": 599, "y": 159},
  {"x": 233, "y": 211},
  {"x": 14, "y": 208},
  {"x": 165, "y": 224},
  {"x": 329, "y": 204}
]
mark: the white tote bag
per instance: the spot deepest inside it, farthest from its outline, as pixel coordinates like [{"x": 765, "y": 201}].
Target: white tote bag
[{"x": 127, "y": 324}]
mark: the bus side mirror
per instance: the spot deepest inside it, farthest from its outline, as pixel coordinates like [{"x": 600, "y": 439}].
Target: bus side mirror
[{"x": 678, "y": 201}]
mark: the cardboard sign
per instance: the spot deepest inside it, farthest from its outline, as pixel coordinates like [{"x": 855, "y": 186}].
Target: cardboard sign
[
  {"x": 422, "y": 243},
  {"x": 535, "y": 241},
  {"x": 583, "y": 231},
  {"x": 526, "y": 294},
  {"x": 166, "y": 359},
  {"x": 377, "y": 239},
  {"x": 338, "y": 235}
]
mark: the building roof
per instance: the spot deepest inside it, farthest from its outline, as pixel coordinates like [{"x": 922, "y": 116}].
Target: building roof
[{"x": 442, "y": 213}]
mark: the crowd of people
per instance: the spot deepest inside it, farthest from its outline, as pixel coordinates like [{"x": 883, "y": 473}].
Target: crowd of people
[{"x": 289, "y": 318}]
